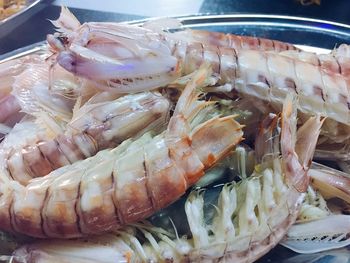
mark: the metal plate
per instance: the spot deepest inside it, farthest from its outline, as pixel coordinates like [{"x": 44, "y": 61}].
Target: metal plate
[
  {"x": 311, "y": 34},
  {"x": 29, "y": 4},
  {"x": 12, "y": 22},
  {"x": 297, "y": 30}
]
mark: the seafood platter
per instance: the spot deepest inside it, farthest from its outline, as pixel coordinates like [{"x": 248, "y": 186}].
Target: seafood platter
[{"x": 161, "y": 142}]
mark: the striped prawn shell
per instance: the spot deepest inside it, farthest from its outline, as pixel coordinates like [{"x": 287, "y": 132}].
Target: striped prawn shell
[{"x": 270, "y": 76}]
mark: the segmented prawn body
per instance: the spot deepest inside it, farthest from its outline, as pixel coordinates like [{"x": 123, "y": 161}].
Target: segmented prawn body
[
  {"x": 84, "y": 190},
  {"x": 252, "y": 216},
  {"x": 93, "y": 127},
  {"x": 117, "y": 55},
  {"x": 62, "y": 124},
  {"x": 261, "y": 70},
  {"x": 106, "y": 191}
]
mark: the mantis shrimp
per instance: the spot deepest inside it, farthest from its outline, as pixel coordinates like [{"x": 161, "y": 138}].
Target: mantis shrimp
[{"x": 87, "y": 184}]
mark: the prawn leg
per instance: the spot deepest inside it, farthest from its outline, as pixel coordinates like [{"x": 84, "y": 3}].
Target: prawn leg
[
  {"x": 93, "y": 127},
  {"x": 252, "y": 216}
]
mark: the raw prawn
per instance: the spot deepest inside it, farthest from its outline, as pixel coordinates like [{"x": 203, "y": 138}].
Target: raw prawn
[
  {"x": 123, "y": 185},
  {"x": 252, "y": 216}
]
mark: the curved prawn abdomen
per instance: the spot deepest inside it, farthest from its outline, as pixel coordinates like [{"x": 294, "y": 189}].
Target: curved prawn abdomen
[
  {"x": 252, "y": 216},
  {"x": 94, "y": 127},
  {"x": 123, "y": 185}
]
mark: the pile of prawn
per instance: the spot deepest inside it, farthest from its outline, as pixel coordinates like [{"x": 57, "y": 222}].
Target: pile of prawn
[{"x": 127, "y": 143}]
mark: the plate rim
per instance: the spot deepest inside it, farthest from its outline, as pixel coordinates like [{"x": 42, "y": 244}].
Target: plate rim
[
  {"x": 218, "y": 19},
  {"x": 196, "y": 17},
  {"x": 28, "y": 7}
]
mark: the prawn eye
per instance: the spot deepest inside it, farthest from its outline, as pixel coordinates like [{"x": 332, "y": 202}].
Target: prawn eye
[
  {"x": 63, "y": 40},
  {"x": 58, "y": 43}
]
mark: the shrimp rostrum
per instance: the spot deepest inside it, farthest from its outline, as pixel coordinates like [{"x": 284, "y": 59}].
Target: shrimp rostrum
[
  {"x": 251, "y": 217},
  {"x": 125, "y": 184}
]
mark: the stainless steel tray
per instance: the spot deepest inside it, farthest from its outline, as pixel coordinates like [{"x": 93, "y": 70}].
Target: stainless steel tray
[
  {"x": 10, "y": 23},
  {"x": 29, "y": 4},
  {"x": 310, "y": 34},
  {"x": 297, "y": 30}
]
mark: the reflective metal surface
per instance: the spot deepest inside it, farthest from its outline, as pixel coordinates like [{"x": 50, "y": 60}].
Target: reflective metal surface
[
  {"x": 297, "y": 30},
  {"x": 29, "y": 4},
  {"x": 302, "y": 31}
]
